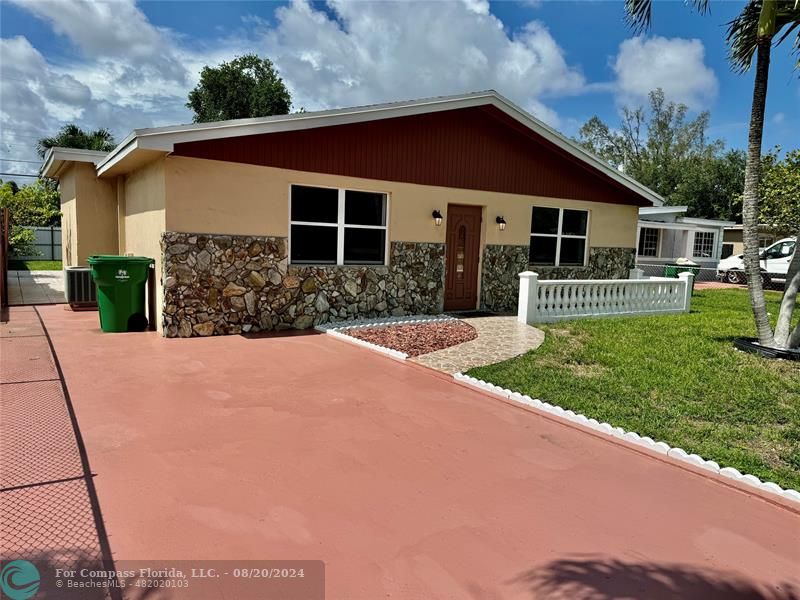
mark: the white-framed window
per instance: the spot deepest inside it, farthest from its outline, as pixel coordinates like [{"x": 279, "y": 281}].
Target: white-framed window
[
  {"x": 703, "y": 245},
  {"x": 648, "y": 241},
  {"x": 332, "y": 226},
  {"x": 559, "y": 236},
  {"x": 764, "y": 241}
]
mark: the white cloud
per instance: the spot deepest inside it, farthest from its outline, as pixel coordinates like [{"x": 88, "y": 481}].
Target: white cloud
[
  {"x": 113, "y": 31},
  {"x": 778, "y": 118},
  {"x": 128, "y": 73},
  {"x": 676, "y": 65},
  {"x": 479, "y": 7},
  {"x": 381, "y": 51}
]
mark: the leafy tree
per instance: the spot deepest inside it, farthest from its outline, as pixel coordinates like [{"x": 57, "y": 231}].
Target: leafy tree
[
  {"x": 780, "y": 191},
  {"x": 247, "y": 86},
  {"x": 711, "y": 186},
  {"x": 760, "y": 25},
  {"x": 36, "y": 204},
  {"x": 668, "y": 152},
  {"x": 72, "y": 136}
]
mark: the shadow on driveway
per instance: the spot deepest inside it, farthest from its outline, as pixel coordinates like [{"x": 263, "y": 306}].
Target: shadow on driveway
[{"x": 595, "y": 578}]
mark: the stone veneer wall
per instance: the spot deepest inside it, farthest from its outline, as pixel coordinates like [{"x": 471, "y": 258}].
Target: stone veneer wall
[
  {"x": 502, "y": 265},
  {"x": 221, "y": 284},
  {"x": 500, "y": 277}
]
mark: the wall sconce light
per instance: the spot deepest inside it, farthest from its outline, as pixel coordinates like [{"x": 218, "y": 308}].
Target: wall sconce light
[
  {"x": 437, "y": 217},
  {"x": 501, "y": 222}
]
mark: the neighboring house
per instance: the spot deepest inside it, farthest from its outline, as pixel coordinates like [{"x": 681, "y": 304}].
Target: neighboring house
[
  {"x": 402, "y": 208},
  {"x": 733, "y": 245},
  {"x": 664, "y": 235}
]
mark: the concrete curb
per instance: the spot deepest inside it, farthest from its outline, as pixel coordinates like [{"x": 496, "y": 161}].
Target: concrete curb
[
  {"x": 632, "y": 437},
  {"x": 335, "y": 330}
]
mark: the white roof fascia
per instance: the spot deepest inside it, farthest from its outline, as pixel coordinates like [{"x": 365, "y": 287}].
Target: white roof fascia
[
  {"x": 677, "y": 225},
  {"x": 55, "y": 158},
  {"x": 128, "y": 145},
  {"x": 706, "y": 222},
  {"x": 662, "y": 210}
]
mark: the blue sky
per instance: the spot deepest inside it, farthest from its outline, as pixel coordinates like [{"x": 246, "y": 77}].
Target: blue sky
[{"x": 125, "y": 65}]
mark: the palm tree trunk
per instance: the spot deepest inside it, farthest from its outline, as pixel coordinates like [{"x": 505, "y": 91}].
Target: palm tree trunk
[
  {"x": 794, "y": 339},
  {"x": 783, "y": 328},
  {"x": 750, "y": 202}
]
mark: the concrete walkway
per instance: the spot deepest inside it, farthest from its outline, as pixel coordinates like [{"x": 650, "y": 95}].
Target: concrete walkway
[
  {"x": 35, "y": 287},
  {"x": 499, "y": 338},
  {"x": 406, "y": 484}
]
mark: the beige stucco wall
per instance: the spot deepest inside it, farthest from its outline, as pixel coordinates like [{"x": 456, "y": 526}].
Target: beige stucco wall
[
  {"x": 766, "y": 237},
  {"x": 89, "y": 222},
  {"x": 69, "y": 218},
  {"x": 207, "y": 196},
  {"x": 143, "y": 197}
]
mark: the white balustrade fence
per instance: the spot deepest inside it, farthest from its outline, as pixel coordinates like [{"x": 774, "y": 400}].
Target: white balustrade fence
[{"x": 554, "y": 300}]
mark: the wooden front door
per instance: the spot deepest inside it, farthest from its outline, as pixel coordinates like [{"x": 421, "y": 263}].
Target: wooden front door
[{"x": 462, "y": 252}]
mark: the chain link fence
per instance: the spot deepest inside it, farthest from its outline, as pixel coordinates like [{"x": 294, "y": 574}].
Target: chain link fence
[{"x": 658, "y": 270}]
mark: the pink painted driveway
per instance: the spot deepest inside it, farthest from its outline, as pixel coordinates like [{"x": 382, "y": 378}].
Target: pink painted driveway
[{"x": 406, "y": 484}]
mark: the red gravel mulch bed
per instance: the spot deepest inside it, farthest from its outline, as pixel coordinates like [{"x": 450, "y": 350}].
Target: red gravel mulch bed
[{"x": 416, "y": 339}]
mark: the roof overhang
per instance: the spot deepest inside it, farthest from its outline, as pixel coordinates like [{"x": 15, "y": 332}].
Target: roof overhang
[
  {"x": 708, "y": 222},
  {"x": 56, "y": 159},
  {"x": 662, "y": 210},
  {"x": 739, "y": 227},
  {"x": 142, "y": 145},
  {"x": 685, "y": 224}
]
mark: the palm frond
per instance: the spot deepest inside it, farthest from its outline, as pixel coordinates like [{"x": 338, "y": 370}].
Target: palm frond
[
  {"x": 639, "y": 13},
  {"x": 743, "y": 38},
  {"x": 701, "y": 6}
]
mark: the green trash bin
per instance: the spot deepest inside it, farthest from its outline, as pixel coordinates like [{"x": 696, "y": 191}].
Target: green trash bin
[
  {"x": 673, "y": 270},
  {"x": 120, "y": 282}
]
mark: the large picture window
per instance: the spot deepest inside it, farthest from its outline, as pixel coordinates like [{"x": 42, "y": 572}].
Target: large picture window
[
  {"x": 558, "y": 236},
  {"x": 703, "y": 244},
  {"x": 330, "y": 226}
]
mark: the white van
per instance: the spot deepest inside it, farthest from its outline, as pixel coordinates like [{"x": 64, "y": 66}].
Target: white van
[{"x": 775, "y": 261}]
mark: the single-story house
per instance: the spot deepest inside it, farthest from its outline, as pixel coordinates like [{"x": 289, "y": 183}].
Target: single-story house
[
  {"x": 402, "y": 208},
  {"x": 732, "y": 243},
  {"x": 665, "y": 235}
]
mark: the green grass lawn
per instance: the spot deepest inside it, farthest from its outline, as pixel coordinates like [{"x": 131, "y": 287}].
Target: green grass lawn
[
  {"x": 674, "y": 378},
  {"x": 34, "y": 265}
]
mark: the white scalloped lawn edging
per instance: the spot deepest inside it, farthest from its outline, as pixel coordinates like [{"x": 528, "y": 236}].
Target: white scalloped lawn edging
[
  {"x": 630, "y": 436},
  {"x": 381, "y": 321},
  {"x": 335, "y": 329}
]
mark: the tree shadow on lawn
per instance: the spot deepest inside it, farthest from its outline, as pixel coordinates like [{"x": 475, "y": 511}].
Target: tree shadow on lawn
[{"x": 595, "y": 578}]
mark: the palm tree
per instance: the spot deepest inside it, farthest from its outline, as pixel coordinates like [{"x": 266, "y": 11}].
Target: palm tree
[
  {"x": 72, "y": 136},
  {"x": 753, "y": 32}
]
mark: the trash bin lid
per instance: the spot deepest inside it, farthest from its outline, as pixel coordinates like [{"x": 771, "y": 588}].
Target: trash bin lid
[{"x": 111, "y": 258}]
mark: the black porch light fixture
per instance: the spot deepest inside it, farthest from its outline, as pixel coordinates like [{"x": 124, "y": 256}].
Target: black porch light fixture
[
  {"x": 501, "y": 222},
  {"x": 437, "y": 217}
]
